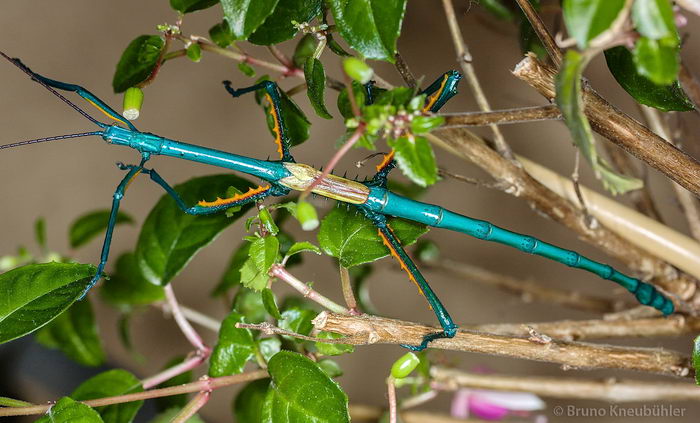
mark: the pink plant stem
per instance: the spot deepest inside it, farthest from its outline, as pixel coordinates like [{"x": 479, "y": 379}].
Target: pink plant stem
[
  {"x": 328, "y": 168},
  {"x": 391, "y": 391},
  {"x": 199, "y": 401},
  {"x": 281, "y": 273},
  {"x": 187, "y": 329},
  {"x": 187, "y": 365},
  {"x": 200, "y": 385}
]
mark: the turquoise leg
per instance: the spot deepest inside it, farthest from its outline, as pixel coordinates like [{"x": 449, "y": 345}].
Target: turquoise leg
[
  {"x": 82, "y": 92},
  {"x": 116, "y": 200},
  {"x": 198, "y": 210},
  {"x": 440, "y": 91},
  {"x": 449, "y": 328},
  {"x": 273, "y": 95}
]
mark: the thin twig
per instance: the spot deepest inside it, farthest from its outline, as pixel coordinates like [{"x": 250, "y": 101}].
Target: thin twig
[
  {"x": 199, "y": 401},
  {"x": 404, "y": 71},
  {"x": 269, "y": 329},
  {"x": 502, "y": 117},
  {"x": 576, "y": 330},
  {"x": 688, "y": 202},
  {"x": 464, "y": 58},
  {"x": 619, "y": 128},
  {"x": 187, "y": 329},
  {"x": 198, "y": 386},
  {"x": 281, "y": 273},
  {"x": 528, "y": 290},
  {"x": 690, "y": 83},
  {"x": 365, "y": 329},
  {"x": 542, "y": 33},
  {"x": 190, "y": 363},
  {"x": 602, "y": 390},
  {"x": 391, "y": 394},
  {"x": 348, "y": 293}
]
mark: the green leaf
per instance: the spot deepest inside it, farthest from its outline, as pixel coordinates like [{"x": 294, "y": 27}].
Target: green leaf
[
  {"x": 332, "y": 349},
  {"x": 232, "y": 276},
  {"x": 696, "y": 359},
  {"x": 188, "y": 6},
  {"x": 268, "y": 298},
  {"x": 194, "y": 52},
  {"x": 247, "y": 407},
  {"x": 330, "y": 367},
  {"x": 498, "y": 9},
  {"x": 370, "y": 26},
  {"x": 74, "y": 332},
  {"x": 568, "y": 88},
  {"x": 128, "y": 286},
  {"x": 353, "y": 239},
  {"x": 300, "y": 247},
  {"x": 249, "y": 303},
  {"x": 246, "y": 69},
  {"x": 656, "y": 61},
  {"x": 137, "y": 62},
  {"x": 294, "y": 118},
  {"x": 586, "y": 19},
  {"x": 297, "y": 320},
  {"x": 40, "y": 232},
  {"x": 234, "y": 348},
  {"x": 174, "y": 401},
  {"x": 263, "y": 254},
  {"x": 306, "y": 47},
  {"x": 35, "y": 294},
  {"x": 316, "y": 86},
  {"x": 170, "y": 238},
  {"x": 644, "y": 90},
  {"x": 654, "y": 19},
  {"x": 108, "y": 384},
  {"x": 278, "y": 27},
  {"x": 67, "y": 410},
  {"x": 416, "y": 159},
  {"x": 170, "y": 414},
  {"x": 301, "y": 392},
  {"x": 221, "y": 34},
  {"x": 89, "y": 225},
  {"x": 269, "y": 347},
  {"x": 245, "y": 16}
]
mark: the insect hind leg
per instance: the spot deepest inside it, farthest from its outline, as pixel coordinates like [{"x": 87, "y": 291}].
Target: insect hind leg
[{"x": 273, "y": 96}]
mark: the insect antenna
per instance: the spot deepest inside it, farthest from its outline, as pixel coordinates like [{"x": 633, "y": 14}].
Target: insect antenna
[
  {"x": 46, "y": 139},
  {"x": 25, "y": 69}
]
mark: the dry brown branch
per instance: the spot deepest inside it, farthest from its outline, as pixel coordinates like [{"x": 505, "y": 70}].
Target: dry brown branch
[
  {"x": 378, "y": 330},
  {"x": 528, "y": 290},
  {"x": 501, "y": 117},
  {"x": 690, "y": 83},
  {"x": 465, "y": 144},
  {"x": 603, "y": 390},
  {"x": 619, "y": 128},
  {"x": 542, "y": 33},
  {"x": 597, "y": 329},
  {"x": 464, "y": 58}
]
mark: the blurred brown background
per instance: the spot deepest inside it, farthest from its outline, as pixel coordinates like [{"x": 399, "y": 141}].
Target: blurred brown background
[{"x": 80, "y": 41}]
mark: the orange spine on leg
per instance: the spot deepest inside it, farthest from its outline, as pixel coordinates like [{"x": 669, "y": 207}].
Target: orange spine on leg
[
  {"x": 276, "y": 128},
  {"x": 223, "y": 201},
  {"x": 387, "y": 159},
  {"x": 402, "y": 264},
  {"x": 434, "y": 97}
]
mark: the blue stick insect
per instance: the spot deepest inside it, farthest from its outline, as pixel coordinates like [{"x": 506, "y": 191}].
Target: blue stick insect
[{"x": 372, "y": 197}]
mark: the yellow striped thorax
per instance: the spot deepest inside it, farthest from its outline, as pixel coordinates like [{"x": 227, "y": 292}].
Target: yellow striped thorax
[{"x": 335, "y": 187}]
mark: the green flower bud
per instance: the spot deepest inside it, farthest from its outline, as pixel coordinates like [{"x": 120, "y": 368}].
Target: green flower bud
[
  {"x": 306, "y": 215},
  {"x": 357, "y": 70},
  {"x": 133, "y": 100},
  {"x": 404, "y": 365}
]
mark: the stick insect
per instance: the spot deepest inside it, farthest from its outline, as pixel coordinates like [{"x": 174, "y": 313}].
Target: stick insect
[{"x": 371, "y": 198}]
